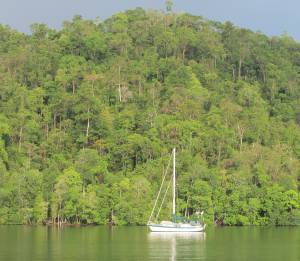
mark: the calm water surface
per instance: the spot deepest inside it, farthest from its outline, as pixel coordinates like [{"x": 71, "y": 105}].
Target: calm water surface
[{"x": 136, "y": 243}]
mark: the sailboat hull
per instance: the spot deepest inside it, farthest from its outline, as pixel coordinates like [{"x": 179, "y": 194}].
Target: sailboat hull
[{"x": 176, "y": 228}]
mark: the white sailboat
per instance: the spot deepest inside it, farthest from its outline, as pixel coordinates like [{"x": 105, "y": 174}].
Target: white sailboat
[{"x": 173, "y": 226}]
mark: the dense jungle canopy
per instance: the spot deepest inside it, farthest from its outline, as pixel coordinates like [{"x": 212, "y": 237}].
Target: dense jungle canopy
[{"x": 89, "y": 115}]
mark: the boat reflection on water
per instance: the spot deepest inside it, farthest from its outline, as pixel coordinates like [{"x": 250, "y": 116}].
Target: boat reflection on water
[
  {"x": 180, "y": 235},
  {"x": 176, "y": 245}
]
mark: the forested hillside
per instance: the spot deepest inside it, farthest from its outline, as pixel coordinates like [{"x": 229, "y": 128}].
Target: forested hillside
[{"x": 89, "y": 115}]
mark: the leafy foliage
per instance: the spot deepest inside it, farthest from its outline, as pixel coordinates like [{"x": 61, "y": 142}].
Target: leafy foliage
[{"x": 90, "y": 113}]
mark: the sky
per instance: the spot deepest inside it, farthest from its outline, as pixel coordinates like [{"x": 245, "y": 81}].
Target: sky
[{"x": 273, "y": 17}]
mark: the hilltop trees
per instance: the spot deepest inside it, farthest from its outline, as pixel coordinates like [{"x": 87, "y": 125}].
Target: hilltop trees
[{"x": 90, "y": 113}]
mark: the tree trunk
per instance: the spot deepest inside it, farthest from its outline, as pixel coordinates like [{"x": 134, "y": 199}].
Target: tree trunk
[
  {"x": 240, "y": 67},
  {"x": 187, "y": 201},
  {"x": 20, "y": 138},
  {"x": 241, "y": 131},
  {"x": 119, "y": 84},
  {"x": 93, "y": 92},
  {"x": 88, "y": 125},
  {"x": 264, "y": 75},
  {"x": 73, "y": 86},
  {"x": 54, "y": 121},
  {"x": 47, "y": 131},
  {"x": 58, "y": 216},
  {"x": 183, "y": 53},
  {"x": 140, "y": 87},
  {"x": 219, "y": 153},
  {"x": 59, "y": 122}
]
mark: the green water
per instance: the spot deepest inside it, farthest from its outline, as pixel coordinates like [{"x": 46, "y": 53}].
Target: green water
[{"x": 136, "y": 243}]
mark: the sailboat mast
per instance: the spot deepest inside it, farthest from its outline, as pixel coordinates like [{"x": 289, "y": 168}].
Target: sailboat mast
[{"x": 174, "y": 181}]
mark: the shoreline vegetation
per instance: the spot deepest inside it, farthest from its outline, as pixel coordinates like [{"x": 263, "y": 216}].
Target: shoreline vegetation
[{"x": 90, "y": 113}]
